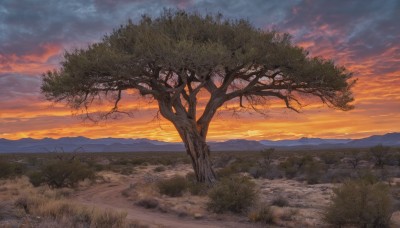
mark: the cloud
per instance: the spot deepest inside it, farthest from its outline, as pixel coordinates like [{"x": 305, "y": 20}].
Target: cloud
[{"x": 361, "y": 35}]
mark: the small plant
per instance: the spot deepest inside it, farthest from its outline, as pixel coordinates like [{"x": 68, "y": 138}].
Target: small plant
[
  {"x": 148, "y": 203},
  {"x": 263, "y": 215},
  {"x": 108, "y": 218},
  {"x": 360, "y": 203},
  {"x": 235, "y": 194},
  {"x": 173, "y": 187},
  {"x": 280, "y": 201},
  {"x": 159, "y": 169}
]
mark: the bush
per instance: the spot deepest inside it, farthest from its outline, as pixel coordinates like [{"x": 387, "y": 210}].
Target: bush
[
  {"x": 330, "y": 158},
  {"x": 159, "y": 169},
  {"x": 379, "y": 154},
  {"x": 173, "y": 187},
  {"x": 234, "y": 194},
  {"x": 195, "y": 188},
  {"x": 280, "y": 201},
  {"x": 263, "y": 215},
  {"x": 36, "y": 178},
  {"x": 61, "y": 174},
  {"x": 360, "y": 203},
  {"x": 148, "y": 203},
  {"x": 11, "y": 170}
]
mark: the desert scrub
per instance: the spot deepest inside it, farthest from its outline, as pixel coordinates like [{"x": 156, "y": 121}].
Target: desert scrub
[
  {"x": 360, "y": 203},
  {"x": 280, "y": 201},
  {"x": 11, "y": 169},
  {"x": 196, "y": 188},
  {"x": 70, "y": 214},
  {"x": 59, "y": 174},
  {"x": 159, "y": 169},
  {"x": 262, "y": 215},
  {"x": 174, "y": 186},
  {"x": 235, "y": 194}
]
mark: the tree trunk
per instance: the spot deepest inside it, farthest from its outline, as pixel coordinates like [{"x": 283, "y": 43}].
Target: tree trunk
[{"x": 199, "y": 152}]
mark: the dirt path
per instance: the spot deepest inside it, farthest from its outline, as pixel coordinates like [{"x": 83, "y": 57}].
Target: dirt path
[{"x": 109, "y": 196}]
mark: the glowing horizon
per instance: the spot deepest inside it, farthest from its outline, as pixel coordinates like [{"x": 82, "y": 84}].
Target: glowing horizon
[{"x": 365, "y": 41}]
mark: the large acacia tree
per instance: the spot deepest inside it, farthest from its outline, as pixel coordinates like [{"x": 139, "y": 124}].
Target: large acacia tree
[{"x": 177, "y": 55}]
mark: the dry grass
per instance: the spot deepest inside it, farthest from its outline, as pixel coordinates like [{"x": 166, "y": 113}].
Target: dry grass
[{"x": 45, "y": 207}]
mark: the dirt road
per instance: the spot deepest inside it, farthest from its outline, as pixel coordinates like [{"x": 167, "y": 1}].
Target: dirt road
[{"x": 108, "y": 196}]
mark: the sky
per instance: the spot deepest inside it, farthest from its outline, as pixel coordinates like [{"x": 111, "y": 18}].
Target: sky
[{"x": 363, "y": 36}]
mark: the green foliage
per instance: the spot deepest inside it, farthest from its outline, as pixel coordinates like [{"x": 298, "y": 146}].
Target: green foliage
[
  {"x": 174, "y": 186},
  {"x": 11, "y": 169},
  {"x": 207, "y": 46},
  {"x": 360, "y": 203},
  {"x": 196, "y": 188},
  {"x": 60, "y": 173},
  {"x": 294, "y": 165},
  {"x": 235, "y": 194},
  {"x": 36, "y": 178}
]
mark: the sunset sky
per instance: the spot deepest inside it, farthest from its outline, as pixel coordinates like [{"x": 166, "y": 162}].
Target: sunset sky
[{"x": 364, "y": 36}]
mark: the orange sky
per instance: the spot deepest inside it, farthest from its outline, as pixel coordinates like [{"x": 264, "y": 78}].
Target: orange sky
[{"x": 375, "y": 62}]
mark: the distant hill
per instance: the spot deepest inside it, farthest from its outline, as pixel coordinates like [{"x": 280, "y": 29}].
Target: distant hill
[{"x": 83, "y": 144}]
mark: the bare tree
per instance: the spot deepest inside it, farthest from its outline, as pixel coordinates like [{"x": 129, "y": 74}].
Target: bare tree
[{"x": 175, "y": 56}]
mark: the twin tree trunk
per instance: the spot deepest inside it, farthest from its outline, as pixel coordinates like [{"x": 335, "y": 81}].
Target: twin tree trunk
[{"x": 198, "y": 150}]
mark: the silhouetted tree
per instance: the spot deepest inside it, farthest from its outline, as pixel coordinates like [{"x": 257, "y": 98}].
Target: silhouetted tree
[{"x": 175, "y": 56}]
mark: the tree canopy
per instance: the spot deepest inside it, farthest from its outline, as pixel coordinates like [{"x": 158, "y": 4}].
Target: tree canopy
[{"x": 175, "y": 56}]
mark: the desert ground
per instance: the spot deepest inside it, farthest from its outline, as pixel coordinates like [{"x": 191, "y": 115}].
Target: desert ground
[{"x": 295, "y": 187}]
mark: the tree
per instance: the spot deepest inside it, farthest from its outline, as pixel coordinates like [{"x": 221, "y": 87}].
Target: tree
[
  {"x": 379, "y": 154},
  {"x": 175, "y": 56}
]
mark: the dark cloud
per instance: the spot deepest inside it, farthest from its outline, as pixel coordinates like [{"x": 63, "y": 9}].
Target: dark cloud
[{"x": 365, "y": 28}]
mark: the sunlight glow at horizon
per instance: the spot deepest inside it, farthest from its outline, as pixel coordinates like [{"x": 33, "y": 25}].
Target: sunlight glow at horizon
[{"x": 366, "y": 42}]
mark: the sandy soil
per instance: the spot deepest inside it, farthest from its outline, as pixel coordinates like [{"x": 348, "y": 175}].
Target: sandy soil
[
  {"x": 108, "y": 195},
  {"x": 305, "y": 202}
]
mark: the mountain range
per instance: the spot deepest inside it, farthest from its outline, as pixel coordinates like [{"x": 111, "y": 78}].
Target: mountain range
[{"x": 83, "y": 144}]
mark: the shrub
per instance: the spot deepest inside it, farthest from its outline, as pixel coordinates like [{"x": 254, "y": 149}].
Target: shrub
[
  {"x": 173, "y": 187},
  {"x": 61, "y": 174},
  {"x": 108, "y": 218},
  {"x": 267, "y": 155},
  {"x": 313, "y": 172},
  {"x": 11, "y": 170},
  {"x": 234, "y": 194},
  {"x": 360, "y": 203},
  {"x": 263, "y": 215},
  {"x": 258, "y": 171},
  {"x": 159, "y": 169},
  {"x": 379, "y": 154},
  {"x": 36, "y": 178},
  {"x": 330, "y": 158},
  {"x": 354, "y": 158},
  {"x": 148, "y": 203},
  {"x": 280, "y": 201},
  {"x": 195, "y": 188}
]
